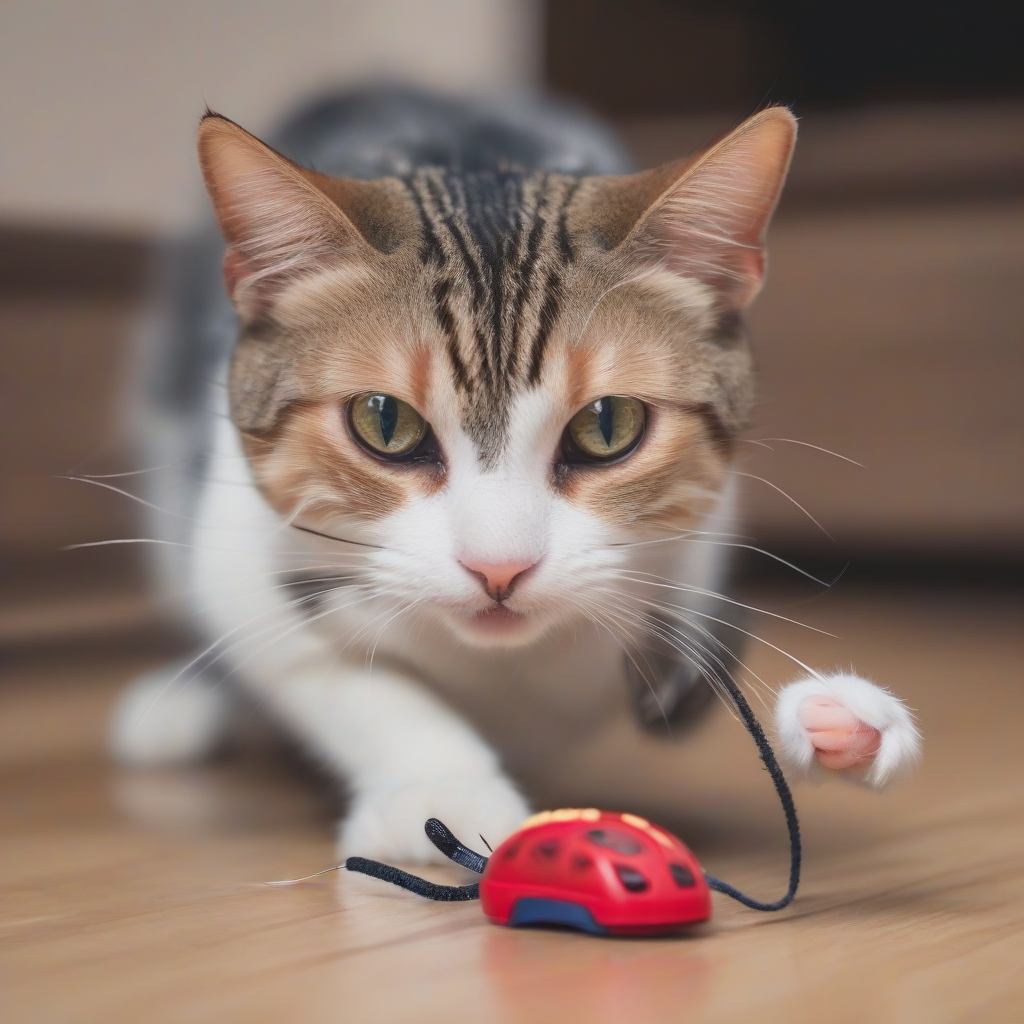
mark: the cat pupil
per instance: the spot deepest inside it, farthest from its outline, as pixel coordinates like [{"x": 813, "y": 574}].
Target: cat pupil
[
  {"x": 387, "y": 410},
  {"x": 605, "y": 418}
]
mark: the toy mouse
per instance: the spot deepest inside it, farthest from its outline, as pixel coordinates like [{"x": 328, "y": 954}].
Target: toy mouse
[{"x": 596, "y": 871}]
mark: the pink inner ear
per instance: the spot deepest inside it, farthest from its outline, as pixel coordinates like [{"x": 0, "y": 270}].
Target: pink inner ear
[
  {"x": 751, "y": 263},
  {"x": 234, "y": 270},
  {"x": 237, "y": 270},
  {"x": 724, "y": 249}
]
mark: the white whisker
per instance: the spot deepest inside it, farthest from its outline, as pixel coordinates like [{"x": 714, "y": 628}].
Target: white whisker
[
  {"x": 788, "y": 497},
  {"x": 805, "y": 444},
  {"x": 741, "y": 546},
  {"x": 713, "y": 638},
  {"x": 668, "y": 609},
  {"x": 665, "y": 584}
]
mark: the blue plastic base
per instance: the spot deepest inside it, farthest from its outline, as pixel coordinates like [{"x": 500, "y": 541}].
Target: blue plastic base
[{"x": 532, "y": 910}]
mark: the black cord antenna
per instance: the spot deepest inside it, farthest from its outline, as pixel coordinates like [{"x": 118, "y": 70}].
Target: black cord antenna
[{"x": 440, "y": 835}]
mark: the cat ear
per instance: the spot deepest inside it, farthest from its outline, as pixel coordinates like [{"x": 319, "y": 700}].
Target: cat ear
[
  {"x": 706, "y": 217},
  {"x": 711, "y": 222},
  {"x": 280, "y": 221}
]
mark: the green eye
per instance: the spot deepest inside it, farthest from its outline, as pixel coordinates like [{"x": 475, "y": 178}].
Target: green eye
[
  {"x": 606, "y": 429},
  {"x": 386, "y": 424}
]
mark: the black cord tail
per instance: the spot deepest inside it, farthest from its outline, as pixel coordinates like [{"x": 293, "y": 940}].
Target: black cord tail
[
  {"x": 764, "y": 748},
  {"x": 413, "y": 883}
]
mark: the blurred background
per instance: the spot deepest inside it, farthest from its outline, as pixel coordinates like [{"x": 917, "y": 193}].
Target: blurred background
[{"x": 889, "y": 332}]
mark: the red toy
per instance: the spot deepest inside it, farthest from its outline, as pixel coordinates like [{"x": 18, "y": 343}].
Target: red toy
[{"x": 603, "y": 873}]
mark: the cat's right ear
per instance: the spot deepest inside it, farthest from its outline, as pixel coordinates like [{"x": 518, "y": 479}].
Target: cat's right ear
[{"x": 280, "y": 221}]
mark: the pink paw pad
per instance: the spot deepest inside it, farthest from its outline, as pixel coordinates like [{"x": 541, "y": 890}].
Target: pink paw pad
[{"x": 841, "y": 740}]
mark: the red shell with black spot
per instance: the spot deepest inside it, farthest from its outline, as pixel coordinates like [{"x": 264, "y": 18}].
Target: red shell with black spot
[{"x": 599, "y": 871}]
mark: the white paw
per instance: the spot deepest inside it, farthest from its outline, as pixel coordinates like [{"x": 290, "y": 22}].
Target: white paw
[
  {"x": 387, "y": 823},
  {"x": 163, "y": 720},
  {"x": 844, "y": 723}
]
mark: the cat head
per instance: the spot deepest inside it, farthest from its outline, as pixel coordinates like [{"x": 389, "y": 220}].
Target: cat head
[{"x": 501, "y": 379}]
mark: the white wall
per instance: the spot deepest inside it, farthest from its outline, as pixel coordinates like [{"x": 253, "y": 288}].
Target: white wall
[{"x": 99, "y": 99}]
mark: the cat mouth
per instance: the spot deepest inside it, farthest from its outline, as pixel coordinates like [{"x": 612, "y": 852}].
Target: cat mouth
[{"x": 498, "y": 620}]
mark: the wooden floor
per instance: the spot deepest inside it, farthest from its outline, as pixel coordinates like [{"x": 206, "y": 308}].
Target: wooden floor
[{"x": 135, "y": 897}]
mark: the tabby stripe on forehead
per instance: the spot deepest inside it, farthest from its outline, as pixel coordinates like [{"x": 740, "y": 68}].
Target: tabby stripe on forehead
[
  {"x": 442, "y": 216},
  {"x": 485, "y": 358},
  {"x": 548, "y": 315},
  {"x": 525, "y": 288},
  {"x": 497, "y": 309},
  {"x": 442, "y": 198},
  {"x": 565, "y": 248},
  {"x": 443, "y": 311},
  {"x": 431, "y": 251},
  {"x": 478, "y": 298}
]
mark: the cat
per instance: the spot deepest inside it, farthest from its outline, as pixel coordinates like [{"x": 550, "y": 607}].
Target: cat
[{"x": 479, "y": 390}]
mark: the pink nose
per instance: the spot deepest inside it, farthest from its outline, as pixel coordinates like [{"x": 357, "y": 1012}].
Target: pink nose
[{"x": 498, "y": 579}]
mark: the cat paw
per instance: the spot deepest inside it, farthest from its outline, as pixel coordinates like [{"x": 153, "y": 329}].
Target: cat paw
[
  {"x": 845, "y": 724},
  {"x": 162, "y": 720},
  {"x": 387, "y": 823}
]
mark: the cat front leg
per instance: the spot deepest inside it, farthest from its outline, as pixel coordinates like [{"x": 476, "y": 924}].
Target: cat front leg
[
  {"x": 843, "y": 723},
  {"x": 405, "y": 757}
]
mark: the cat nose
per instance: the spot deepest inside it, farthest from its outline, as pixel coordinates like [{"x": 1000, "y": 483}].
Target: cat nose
[{"x": 499, "y": 578}]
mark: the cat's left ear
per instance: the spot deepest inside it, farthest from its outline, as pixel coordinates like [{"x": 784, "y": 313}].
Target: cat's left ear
[
  {"x": 711, "y": 222},
  {"x": 706, "y": 217}
]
